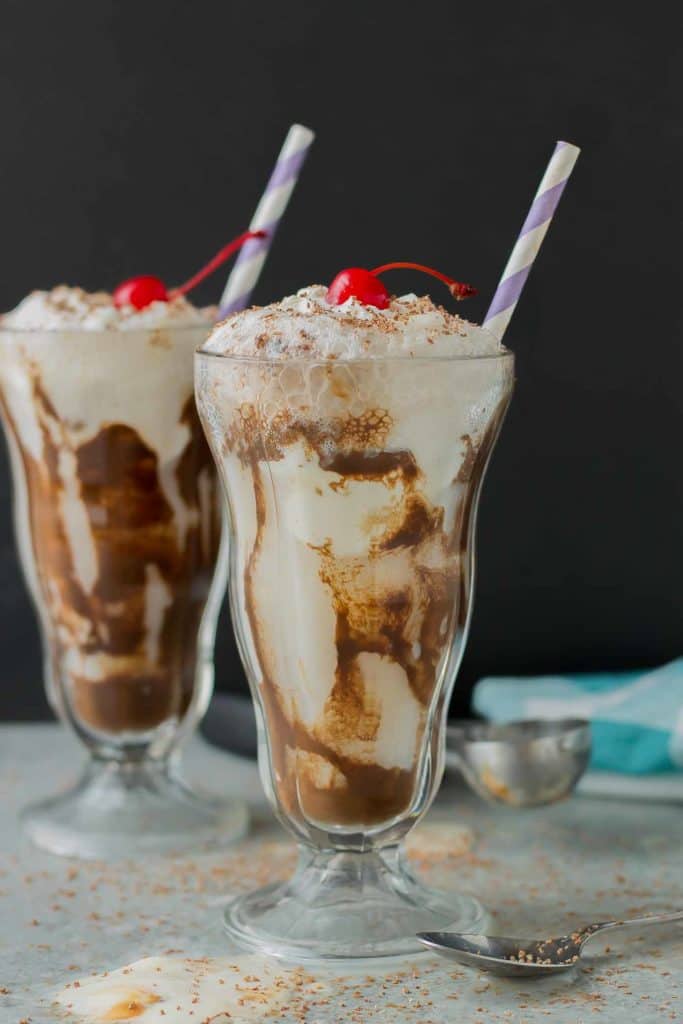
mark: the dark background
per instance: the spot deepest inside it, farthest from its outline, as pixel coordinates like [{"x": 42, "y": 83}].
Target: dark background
[{"x": 137, "y": 137}]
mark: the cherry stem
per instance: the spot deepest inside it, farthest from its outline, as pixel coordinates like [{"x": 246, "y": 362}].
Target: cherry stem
[
  {"x": 456, "y": 288},
  {"x": 220, "y": 258}
]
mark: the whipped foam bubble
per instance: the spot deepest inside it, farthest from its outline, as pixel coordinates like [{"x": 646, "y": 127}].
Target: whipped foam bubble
[
  {"x": 306, "y": 326},
  {"x": 65, "y": 307}
]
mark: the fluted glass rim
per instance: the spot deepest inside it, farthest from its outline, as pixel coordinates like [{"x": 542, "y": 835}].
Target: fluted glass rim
[
  {"x": 116, "y": 332},
  {"x": 506, "y": 356}
]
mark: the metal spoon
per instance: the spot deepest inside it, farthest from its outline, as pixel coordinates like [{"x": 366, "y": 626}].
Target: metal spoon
[{"x": 529, "y": 957}]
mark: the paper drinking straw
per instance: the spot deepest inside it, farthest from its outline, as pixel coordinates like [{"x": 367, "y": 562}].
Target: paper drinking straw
[
  {"x": 249, "y": 263},
  {"x": 530, "y": 238}
]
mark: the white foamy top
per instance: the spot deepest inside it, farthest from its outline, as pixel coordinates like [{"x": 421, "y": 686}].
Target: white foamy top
[
  {"x": 306, "y": 326},
  {"x": 65, "y": 308}
]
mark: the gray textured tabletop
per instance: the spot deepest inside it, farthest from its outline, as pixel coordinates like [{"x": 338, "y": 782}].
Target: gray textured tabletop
[{"x": 538, "y": 872}]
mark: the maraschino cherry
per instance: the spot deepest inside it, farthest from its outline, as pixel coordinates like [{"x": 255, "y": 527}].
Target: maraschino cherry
[
  {"x": 140, "y": 291},
  {"x": 355, "y": 282},
  {"x": 143, "y": 290}
]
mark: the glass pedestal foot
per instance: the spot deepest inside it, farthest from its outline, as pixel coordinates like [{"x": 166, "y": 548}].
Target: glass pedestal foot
[
  {"x": 124, "y": 809},
  {"x": 343, "y": 905}
]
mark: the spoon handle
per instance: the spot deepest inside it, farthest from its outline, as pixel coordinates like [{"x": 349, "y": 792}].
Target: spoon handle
[{"x": 593, "y": 929}]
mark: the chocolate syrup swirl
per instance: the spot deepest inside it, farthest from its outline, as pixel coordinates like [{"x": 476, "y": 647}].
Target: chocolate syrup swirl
[
  {"x": 318, "y": 775},
  {"x": 149, "y": 673}
]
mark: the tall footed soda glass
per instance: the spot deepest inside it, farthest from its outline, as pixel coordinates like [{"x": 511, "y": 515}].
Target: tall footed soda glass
[
  {"x": 118, "y": 529},
  {"x": 352, "y": 487}
]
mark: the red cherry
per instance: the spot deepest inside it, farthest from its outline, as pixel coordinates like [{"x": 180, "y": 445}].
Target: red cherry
[
  {"x": 140, "y": 291},
  {"x": 366, "y": 285},
  {"x": 359, "y": 284}
]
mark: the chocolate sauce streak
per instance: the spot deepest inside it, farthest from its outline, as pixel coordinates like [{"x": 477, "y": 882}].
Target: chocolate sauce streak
[
  {"x": 364, "y": 465},
  {"x": 410, "y": 623},
  {"x": 149, "y": 666},
  {"x": 369, "y": 789}
]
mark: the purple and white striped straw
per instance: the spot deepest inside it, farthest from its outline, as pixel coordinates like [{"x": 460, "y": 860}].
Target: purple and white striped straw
[
  {"x": 247, "y": 268},
  {"x": 530, "y": 238}
]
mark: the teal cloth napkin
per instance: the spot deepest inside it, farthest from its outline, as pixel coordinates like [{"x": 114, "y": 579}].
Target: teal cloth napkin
[{"x": 636, "y": 717}]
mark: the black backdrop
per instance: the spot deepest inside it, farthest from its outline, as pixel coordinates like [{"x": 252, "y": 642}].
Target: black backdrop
[{"x": 137, "y": 137}]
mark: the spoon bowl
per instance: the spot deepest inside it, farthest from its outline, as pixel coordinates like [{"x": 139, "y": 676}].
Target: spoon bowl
[{"x": 506, "y": 956}]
